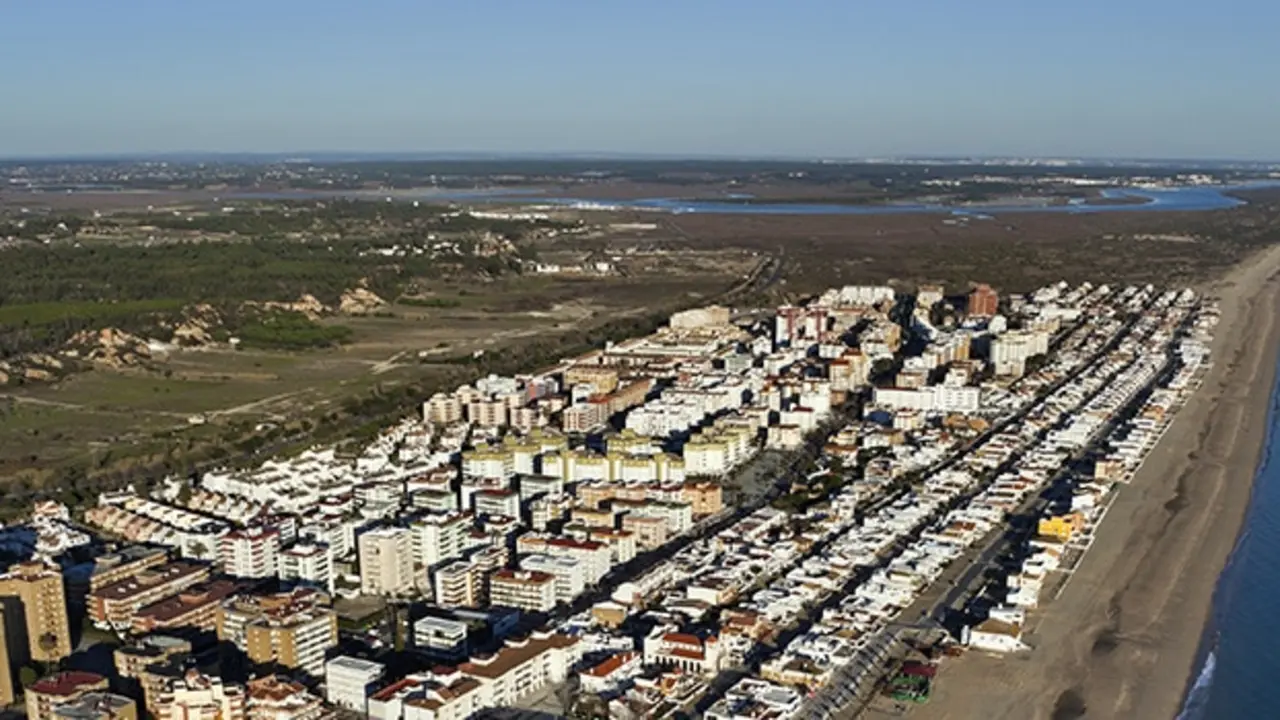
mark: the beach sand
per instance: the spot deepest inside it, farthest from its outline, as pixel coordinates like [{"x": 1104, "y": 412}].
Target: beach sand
[{"x": 1121, "y": 640}]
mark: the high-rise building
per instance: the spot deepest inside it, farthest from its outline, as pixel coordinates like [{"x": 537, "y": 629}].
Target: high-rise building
[
  {"x": 250, "y": 553},
  {"x": 308, "y": 564},
  {"x": 442, "y": 409},
  {"x": 569, "y": 574},
  {"x": 35, "y": 592},
  {"x": 525, "y": 589},
  {"x": 983, "y": 302},
  {"x": 386, "y": 561},
  {"x": 6, "y": 670},
  {"x": 440, "y": 537},
  {"x": 457, "y": 585},
  {"x": 292, "y": 629}
]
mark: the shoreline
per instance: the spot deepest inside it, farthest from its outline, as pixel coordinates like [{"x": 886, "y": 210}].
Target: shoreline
[
  {"x": 1200, "y": 679},
  {"x": 1127, "y": 638}
]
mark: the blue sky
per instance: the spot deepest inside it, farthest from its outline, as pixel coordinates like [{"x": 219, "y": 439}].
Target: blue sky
[{"x": 846, "y": 78}]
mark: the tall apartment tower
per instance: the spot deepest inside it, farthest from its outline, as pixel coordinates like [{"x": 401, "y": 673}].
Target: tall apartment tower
[
  {"x": 386, "y": 561},
  {"x": 6, "y": 670},
  {"x": 33, "y": 591},
  {"x": 983, "y": 302},
  {"x": 292, "y": 629}
]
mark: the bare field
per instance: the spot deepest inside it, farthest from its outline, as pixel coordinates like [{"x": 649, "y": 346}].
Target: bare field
[{"x": 1014, "y": 252}]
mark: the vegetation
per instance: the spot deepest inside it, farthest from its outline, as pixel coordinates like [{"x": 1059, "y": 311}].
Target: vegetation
[
  {"x": 290, "y": 331},
  {"x": 429, "y": 302}
]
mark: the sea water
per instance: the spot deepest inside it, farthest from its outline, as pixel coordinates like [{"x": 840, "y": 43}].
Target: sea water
[{"x": 1241, "y": 650}]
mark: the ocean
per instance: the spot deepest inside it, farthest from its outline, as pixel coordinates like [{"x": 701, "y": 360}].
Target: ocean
[{"x": 1240, "y": 653}]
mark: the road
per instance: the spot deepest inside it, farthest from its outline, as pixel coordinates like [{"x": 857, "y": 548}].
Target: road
[{"x": 822, "y": 704}]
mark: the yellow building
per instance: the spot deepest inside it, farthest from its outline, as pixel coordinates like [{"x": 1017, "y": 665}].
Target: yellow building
[
  {"x": 707, "y": 498},
  {"x": 6, "y": 673},
  {"x": 35, "y": 590},
  {"x": 602, "y": 379},
  {"x": 132, "y": 661},
  {"x": 1061, "y": 527},
  {"x": 48, "y": 693},
  {"x": 291, "y": 629}
]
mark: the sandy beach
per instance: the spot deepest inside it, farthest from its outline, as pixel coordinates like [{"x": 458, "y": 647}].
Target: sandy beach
[{"x": 1121, "y": 640}]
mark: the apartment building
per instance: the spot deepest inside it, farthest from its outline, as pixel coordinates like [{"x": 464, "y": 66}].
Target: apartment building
[
  {"x": 439, "y": 537},
  {"x": 523, "y": 666},
  {"x": 497, "y": 502},
  {"x": 594, "y": 557},
  {"x": 650, "y": 532},
  {"x": 442, "y": 409},
  {"x": 292, "y": 629},
  {"x": 569, "y": 574},
  {"x": 97, "y": 706},
  {"x": 441, "y": 638},
  {"x": 677, "y": 515},
  {"x": 193, "y": 607},
  {"x": 704, "y": 498},
  {"x": 34, "y": 591},
  {"x": 128, "y": 561},
  {"x": 309, "y": 564},
  {"x": 7, "y": 675},
  {"x": 984, "y": 301},
  {"x": 683, "y": 651},
  {"x": 602, "y": 380},
  {"x": 457, "y": 584},
  {"x": 275, "y": 698},
  {"x": 530, "y": 590},
  {"x": 132, "y": 661},
  {"x": 386, "y": 561},
  {"x": 349, "y": 681},
  {"x": 45, "y": 695},
  {"x": 487, "y": 413},
  {"x": 250, "y": 553},
  {"x": 622, "y": 544},
  {"x": 196, "y": 696},
  {"x": 113, "y": 605}
]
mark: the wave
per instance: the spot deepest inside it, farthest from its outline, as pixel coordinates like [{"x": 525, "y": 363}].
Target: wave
[{"x": 1198, "y": 698}]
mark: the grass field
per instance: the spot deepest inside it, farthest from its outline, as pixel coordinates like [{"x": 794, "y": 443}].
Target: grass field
[{"x": 101, "y": 415}]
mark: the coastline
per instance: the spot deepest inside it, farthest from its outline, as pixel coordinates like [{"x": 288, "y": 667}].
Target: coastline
[{"x": 1127, "y": 636}]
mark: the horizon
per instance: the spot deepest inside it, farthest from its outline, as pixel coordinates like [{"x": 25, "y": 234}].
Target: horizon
[
  {"x": 745, "y": 79},
  {"x": 345, "y": 156}
]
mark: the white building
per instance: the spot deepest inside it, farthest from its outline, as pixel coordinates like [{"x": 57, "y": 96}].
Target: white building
[
  {"x": 440, "y": 537},
  {"x": 250, "y": 553},
  {"x": 570, "y": 576},
  {"x": 1001, "y": 632},
  {"x": 440, "y": 637},
  {"x": 1010, "y": 351},
  {"x": 683, "y": 651},
  {"x": 308, "y": 564},
  {"x": 530, "y": 590},
  {"x": 386, "y": 561},
  {"x": 349, "y": 681}
]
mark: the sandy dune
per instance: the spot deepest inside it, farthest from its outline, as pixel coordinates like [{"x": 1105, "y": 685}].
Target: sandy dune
[{"x": 1121, "y": 640}]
